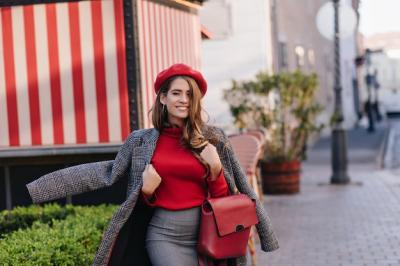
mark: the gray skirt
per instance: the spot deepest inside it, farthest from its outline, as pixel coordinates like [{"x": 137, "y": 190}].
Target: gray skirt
[{"x": 172, "y": 237}]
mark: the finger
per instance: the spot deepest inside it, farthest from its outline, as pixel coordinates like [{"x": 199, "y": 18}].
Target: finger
[
  {"x": 151, "y": 168},
  {"x": 205, "y": 149}
]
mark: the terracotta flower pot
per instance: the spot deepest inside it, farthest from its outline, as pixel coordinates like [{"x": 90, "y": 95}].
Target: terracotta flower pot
[{"x": 281, "y": 178}]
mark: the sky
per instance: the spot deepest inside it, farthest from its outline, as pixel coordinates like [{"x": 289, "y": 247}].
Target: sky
[{"x": 377, "y": 16}]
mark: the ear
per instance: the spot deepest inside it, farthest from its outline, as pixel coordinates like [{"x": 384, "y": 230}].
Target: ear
[{"x": 162, "y": 98}]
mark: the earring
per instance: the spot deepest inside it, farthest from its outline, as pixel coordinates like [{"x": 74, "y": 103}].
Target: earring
[{"x": 163, "y": 108}]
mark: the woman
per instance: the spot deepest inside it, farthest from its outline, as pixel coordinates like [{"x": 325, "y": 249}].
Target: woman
[{"x": 170, "y": 169}]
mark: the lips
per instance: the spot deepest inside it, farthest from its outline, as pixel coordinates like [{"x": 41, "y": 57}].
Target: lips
[{"x": 182, "y": 108}]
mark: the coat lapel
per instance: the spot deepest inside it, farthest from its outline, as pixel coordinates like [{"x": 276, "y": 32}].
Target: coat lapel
[{"x": 147, "y": 145}]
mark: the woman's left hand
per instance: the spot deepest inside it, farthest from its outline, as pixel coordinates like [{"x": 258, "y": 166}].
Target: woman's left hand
[{"x": 210, "y": 155}]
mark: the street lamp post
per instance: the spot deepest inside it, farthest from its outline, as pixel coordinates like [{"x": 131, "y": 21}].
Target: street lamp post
[
  {"x": 368, "y": 105},
  {"x": 339, "y": 142}
]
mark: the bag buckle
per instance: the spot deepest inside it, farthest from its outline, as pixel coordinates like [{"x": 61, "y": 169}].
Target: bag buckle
[{"x": 239, "y": 228}]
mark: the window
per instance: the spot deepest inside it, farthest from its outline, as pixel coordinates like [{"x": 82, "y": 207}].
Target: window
[
  {"x": 311, "y": 57},
  {"x": 299, "y": 52},
  {"x": 283, "y": 57}
]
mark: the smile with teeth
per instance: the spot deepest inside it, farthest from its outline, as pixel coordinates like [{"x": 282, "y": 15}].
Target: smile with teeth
[{"x": 182, "y": 108}]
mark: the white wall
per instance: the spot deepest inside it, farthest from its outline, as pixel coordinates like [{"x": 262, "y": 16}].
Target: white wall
[
  {"x": 239, "y": 52},
  {"x": 348, "y": 53},
  {"x": 348, "y": 72},
  {"x": 388, "y": 70}
]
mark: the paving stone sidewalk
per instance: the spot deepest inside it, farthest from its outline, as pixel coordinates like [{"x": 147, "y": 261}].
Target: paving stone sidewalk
[{"x": 356, "y": 224}]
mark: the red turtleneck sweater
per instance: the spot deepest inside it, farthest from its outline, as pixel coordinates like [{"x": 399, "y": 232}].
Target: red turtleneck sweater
[{"x": 183, "y": 185}]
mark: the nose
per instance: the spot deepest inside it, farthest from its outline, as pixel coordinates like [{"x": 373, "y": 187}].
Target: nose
[{"x": 184, "y": 98}]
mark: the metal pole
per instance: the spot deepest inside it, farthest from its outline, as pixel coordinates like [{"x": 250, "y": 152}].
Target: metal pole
[
  {"x": 368, "y": 106},
  {"x": 8, "y": 187},
  {"x": 376, "y": 102},
  {"x": 339, "y": 142}
]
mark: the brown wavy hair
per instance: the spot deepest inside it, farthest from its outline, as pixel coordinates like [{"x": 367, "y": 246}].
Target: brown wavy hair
[{"x": 192, "y": 137}]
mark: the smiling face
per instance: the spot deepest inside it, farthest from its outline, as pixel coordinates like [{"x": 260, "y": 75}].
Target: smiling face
[{"x": 177, "y": 101}]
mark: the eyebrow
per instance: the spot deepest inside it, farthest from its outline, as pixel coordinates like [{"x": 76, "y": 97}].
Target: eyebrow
[{"x": 178, "y": 90}]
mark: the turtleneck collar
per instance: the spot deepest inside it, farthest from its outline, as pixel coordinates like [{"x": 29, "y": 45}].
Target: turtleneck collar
[{"x": 175, "y": 132}]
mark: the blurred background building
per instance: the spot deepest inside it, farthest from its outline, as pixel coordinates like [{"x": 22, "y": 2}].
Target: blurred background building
[
  {"x": 240, "y": 47},
  {"x": 274, "y": 36},
  {"x": 385, "y": 67}
]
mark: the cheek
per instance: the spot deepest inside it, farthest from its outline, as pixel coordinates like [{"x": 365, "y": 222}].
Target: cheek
[{"x": 172, "y": 99}]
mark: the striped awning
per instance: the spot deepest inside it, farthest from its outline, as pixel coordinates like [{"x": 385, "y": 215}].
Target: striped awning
[
  {"x": 167, "y": 35},
  {"x": 63, "y": 74}
]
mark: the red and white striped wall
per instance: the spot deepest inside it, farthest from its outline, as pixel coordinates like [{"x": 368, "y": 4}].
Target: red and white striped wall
[
  {"x": 166, "y": 36},
  {"x": 63, "y": 74}
]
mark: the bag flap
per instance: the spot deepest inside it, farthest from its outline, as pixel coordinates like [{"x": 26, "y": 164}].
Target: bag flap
[{"x": 233, "y": 213}]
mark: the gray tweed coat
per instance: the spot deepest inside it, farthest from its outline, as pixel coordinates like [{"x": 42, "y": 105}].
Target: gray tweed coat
[{"x": 123, "y": 241}]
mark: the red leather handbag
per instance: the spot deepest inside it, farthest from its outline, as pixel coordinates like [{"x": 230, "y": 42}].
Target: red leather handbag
[{"x": 225, "y": 226}]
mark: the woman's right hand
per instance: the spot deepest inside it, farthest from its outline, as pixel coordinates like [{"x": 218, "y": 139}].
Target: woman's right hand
[{"x": 151, "y": 180}]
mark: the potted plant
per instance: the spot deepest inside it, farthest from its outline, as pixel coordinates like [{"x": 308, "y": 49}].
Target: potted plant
[{"x": 284, "y": 105}]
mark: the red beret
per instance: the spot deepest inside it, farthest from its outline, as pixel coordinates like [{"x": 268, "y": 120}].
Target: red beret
[{"x": 180, "y": 70}]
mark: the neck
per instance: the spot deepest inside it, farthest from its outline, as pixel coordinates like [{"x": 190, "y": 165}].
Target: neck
[{"x": 176, "y": 123}]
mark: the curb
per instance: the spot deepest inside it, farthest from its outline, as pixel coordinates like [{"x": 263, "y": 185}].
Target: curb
[{"x": 384, "y": 158}]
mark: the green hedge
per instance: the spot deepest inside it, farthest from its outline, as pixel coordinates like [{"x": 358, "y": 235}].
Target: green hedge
[
  {"x": 72, "y": 241},
  {"x": 23, "y": 217}
]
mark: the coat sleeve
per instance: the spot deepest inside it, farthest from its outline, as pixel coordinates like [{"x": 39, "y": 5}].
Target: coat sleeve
[
  {"x": 268, "y": 239},
  {"x": 82, "y": 178}
]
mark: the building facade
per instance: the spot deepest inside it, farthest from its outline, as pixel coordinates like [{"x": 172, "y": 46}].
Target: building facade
[
  {"x": 384, "y": 65},
  {"x": 239, "y": 48},
  {"x": 299, "y": 45},
  {"x": 273, "y": 36}
]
